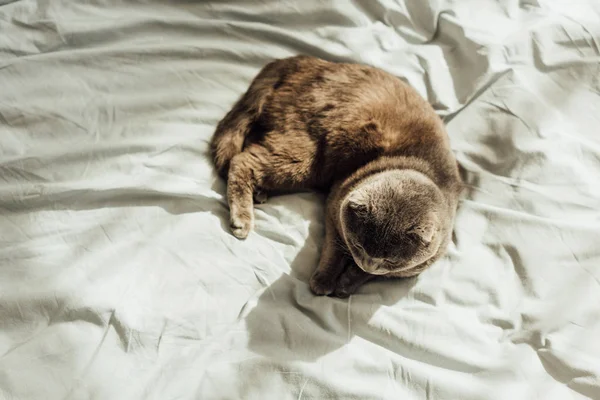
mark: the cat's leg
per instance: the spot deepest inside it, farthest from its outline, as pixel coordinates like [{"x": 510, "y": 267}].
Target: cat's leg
[
  {"x": 331, "y": 264},
  {"x": 350, "y": 280},
  {"x": 244, "y": 176}
]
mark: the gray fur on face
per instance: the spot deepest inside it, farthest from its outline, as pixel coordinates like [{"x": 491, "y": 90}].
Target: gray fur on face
[{"x": 391, "y": 222}]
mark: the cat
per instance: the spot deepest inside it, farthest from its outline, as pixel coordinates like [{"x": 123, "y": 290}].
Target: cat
[{"x": 362, "y": 135}]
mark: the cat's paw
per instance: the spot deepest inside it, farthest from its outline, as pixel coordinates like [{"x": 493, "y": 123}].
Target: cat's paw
[
  {"x": 241, "y": 230},
  {"x": 260, "y": 197},
  {"x": 241, "y": 222},
  {"x": 321, "y": 284},
  {"x": 349, "y": 282},
  {"x": 345, "y": 288}
]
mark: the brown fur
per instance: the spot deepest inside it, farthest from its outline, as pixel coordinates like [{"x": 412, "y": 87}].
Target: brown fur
[{"x": 360, "y": 134}]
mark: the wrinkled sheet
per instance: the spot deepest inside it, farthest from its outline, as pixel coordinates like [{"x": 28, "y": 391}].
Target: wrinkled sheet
[{"x": 119, "y": 278}]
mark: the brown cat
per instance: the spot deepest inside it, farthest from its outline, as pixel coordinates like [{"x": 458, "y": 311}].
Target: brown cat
[{"x": 364, "y": 136}]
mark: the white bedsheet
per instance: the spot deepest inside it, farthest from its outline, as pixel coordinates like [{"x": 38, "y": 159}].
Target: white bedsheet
[{"x": 119, "y": 278}]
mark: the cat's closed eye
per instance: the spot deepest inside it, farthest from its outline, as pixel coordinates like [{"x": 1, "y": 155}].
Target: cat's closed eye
[{"x": 359, "y": 246}]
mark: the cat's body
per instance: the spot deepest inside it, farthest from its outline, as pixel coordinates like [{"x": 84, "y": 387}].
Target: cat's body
[{"x": 360, "y": 134}]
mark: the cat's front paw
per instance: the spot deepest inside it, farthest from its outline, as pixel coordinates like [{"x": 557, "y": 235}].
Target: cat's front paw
[
  {"x": 321, "y": 284},
  {"x": 345, "y": 287},
  {"x": 350, "y": 281}
]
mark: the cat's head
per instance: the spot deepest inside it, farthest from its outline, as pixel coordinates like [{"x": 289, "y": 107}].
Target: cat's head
[{"x": 393, "y": 221}]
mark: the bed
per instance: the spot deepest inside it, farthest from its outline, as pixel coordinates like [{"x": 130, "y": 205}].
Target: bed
[{"x": 119, "y": 278}]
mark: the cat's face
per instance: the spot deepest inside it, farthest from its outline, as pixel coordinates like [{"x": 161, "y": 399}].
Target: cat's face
[{"x": 392, "y": 222}]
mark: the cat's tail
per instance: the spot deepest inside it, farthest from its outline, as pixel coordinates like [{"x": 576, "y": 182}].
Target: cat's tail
[{"x": 232, "y": 130}]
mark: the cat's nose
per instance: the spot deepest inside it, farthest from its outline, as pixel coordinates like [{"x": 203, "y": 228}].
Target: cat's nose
[{"x": 370, "y": 264}]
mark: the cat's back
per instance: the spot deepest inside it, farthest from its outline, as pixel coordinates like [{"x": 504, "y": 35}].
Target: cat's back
[
  {"x": 342, "y": 96},
  {"x": 348, "y": 101},
  {"x": 360, "y": 112},
  {"x": 312, "y": 83}
]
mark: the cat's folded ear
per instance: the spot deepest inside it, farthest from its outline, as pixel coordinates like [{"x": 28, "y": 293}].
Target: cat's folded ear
[
  {"x": 357, "y": 202},
  {"x": 426, "y": 229}
]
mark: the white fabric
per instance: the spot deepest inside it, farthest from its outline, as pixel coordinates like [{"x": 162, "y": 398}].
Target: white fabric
[{"x": 119, "y": 278}]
